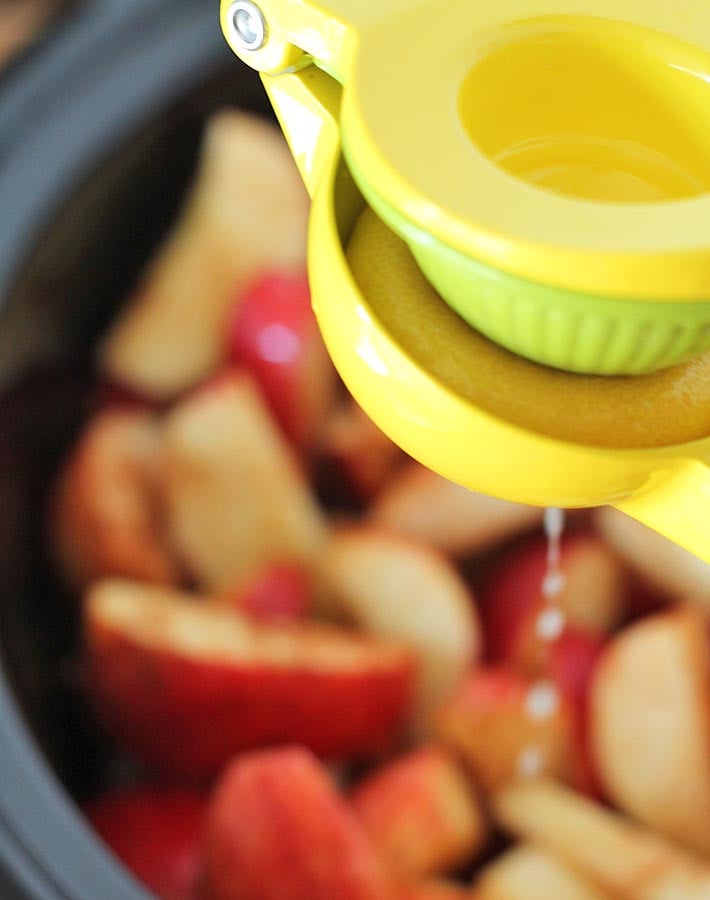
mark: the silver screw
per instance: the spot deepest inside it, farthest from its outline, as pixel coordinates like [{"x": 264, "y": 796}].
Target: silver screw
[{"x": 247, "y": 24}]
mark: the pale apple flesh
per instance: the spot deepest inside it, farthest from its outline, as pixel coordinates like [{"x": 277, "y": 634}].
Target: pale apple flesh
[
  {"x": 247, "y": 214},
  {"x": 400, "y": 589},
  {"x": 236, "y": 498},
  {"x": 650, "y": 724}
]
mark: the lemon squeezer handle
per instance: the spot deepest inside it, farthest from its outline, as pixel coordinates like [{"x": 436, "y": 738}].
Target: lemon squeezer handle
[
  {"x": 276, "y": 36},
  {"x": 678, "y": 507}
]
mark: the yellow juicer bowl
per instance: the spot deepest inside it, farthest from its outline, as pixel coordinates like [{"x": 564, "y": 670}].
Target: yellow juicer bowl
[{"x": 462, "y": 405}]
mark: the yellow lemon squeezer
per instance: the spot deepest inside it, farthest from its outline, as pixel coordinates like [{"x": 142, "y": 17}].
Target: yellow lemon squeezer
[{"x": 510, "y": 234}]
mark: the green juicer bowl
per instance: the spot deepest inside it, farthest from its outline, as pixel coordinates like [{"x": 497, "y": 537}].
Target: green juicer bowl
[{"x": 570, "y": 331}]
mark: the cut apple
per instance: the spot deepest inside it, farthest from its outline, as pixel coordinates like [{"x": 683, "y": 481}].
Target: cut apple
[
  {"x": 512, "y": 600},
  {"x": 621, "y": 857},
  {"x": 573, "y": 660},
  {"x": 421, "y": 504},
  {"x": 273, "y": 334},
  {"x": 364, "y": 455},
  {"x": 671, "y": 569},
  {"x": 247, "y": 214},
  {"x": 433, "y": 890},
  {"x": 156, "y": 832},
  {"x": 277, "y": 593},
  {"x": 236, "y": 498},
  {"x": 398, "y": 589},
  {"x": 106, "y": 516},
  {"x": 421, "y": 814},
  {"x": 527, "y": 873},
  {"x": 278, "y": 830},
  {"x": 651, "y": 724},
  {"x": 505, "y": 726},
  {"x": 184, "y": 685}
]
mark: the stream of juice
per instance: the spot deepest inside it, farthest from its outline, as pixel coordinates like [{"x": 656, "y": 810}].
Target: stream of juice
[{"x": 543, "y": 698}]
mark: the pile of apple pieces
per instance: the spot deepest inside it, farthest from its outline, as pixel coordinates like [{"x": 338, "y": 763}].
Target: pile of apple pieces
[{"x": 330, "y": 705}]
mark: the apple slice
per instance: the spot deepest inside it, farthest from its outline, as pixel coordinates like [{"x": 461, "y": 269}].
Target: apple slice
[
  {"x": 236, "y": 499},
  {"x": 273, "y": 333},
  {"x": 512, "y": 600},
  {"x": 651, "y": 724},
  {"x": 105, "y": 516},
  {"x": 156, "y": 832},
  {"x": 503, "y": 725},
  {"x": 278, "y": 830},
  {"x": 433, "y": 890},
  {"x": 276, "y": 593},
  {"x": 671, "y": 569},
  {"x": 356, "y": 446},
  {"x": 527, "y": 873},
  {"x": 184, "y": 685},
  {"x": 396, "y": 588},
  {"x": 422, "y": 505},
  {"x": 573, "y": 660},
  {"x": 622, "y": 858},
  {"x": 421, "y": 814},
  {"x": 247, "y": 213}
]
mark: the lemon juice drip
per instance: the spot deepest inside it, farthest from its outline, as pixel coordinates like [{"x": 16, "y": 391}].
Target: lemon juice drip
[{"x": 543, "y": 698}]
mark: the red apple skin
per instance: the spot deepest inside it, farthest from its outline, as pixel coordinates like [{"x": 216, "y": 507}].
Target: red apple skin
[
  {"x": 280, "y": 592},
  {"x": 186, "y": 715},
  {"x": 156, "y": 832},
  {"x": 512, "y": 599},
  {"x": 573, "y": 661},
  {"x": 421, "y": 814},
  {"x": 278, "y": 830},
  {"x": 273, "y": 333}
]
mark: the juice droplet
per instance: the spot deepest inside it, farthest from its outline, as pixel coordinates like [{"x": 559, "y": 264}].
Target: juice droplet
[
  {"x": 553, "y": 584},
  {"x": 531, "y": 763},
  {"x": 542, "y": 701},
  {"x": 550, "y": 623},
  {"x": 543, "y": 698}
]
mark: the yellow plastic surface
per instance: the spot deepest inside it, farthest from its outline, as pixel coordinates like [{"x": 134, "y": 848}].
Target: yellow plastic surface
[
  {"x": 667, "y": 487},
  {"x": 439, "y": 423},
  {"x": 421, "y": 77}
]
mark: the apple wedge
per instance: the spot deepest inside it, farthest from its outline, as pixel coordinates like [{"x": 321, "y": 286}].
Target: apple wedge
[
  {"x": 399, "y": 589},
  {"x": 365, "y": 456},
  {"x": 621, "y": 857},
  {"x": 236, "y": 499},
  {"x": 420, "y": 814},
  {"x": 105, "y": 515},
  {"x": 156, "y": 832},
  {"x": 503, "y": 726},
  {"x": 274, "y": 335},
  {"x": 184, "y": 685},
  {"x": 278, "y": 593},
  {"x": 527, "y": 873},
  {"x": 278, "y": 830},
  {"x": 671, "y": 569},
  {"x": 247, "y": 213},
  {"x": 650, "y": 724},
  {"x": 512, "y": 600},
  {"x": 421, "y": 504},
  {"x": 433, "y": 890}
]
